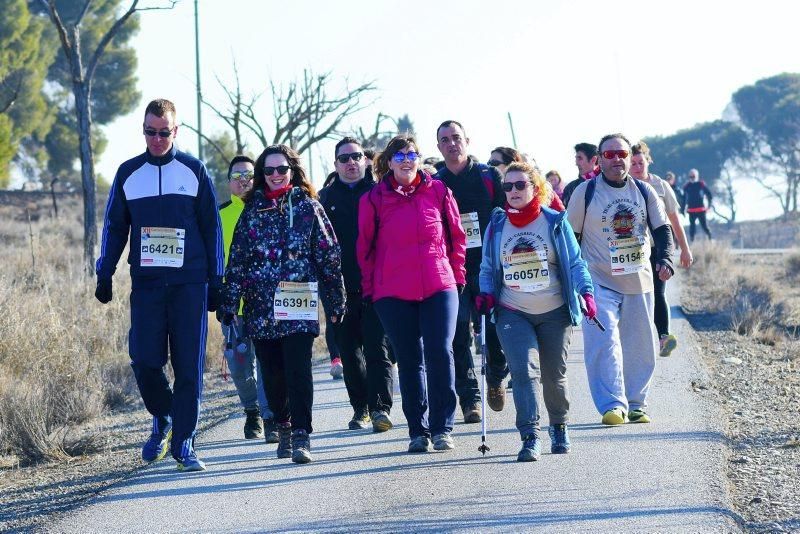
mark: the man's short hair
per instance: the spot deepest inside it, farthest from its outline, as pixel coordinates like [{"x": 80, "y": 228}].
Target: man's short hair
[
  {"x": 588, "y": 149},
  {"x": 447, "y": 123},
  {"x": 345, "y": 141},
  {"x": 370, "y": 153},
  {"x": 613, "y": 136},
  {"x": 160, "y": 107},
  {"x": 239, "y": 159}
]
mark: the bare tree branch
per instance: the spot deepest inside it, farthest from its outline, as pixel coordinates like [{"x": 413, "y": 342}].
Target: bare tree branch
[{"x": 208, "y": 140}]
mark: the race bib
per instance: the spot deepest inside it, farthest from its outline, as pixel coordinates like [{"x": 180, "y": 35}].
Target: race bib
[
  {"x": 526, "y": 271},
  {"x": 470, "y": 223},
  {"x": 162, "y": 247},
  {"x": 296, "y": 301},
  {"x": 627, "y": 255}
]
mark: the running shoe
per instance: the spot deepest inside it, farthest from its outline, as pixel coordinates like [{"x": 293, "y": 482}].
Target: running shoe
[
  {"x": 301, "y": 446},
  {"x": 638, "y": 416},
  {"x": 419, "y": 444},
  {"x": 284, "y": 440},
  {"x": 360, "y": 420},
  {"x": 157, "y": 446},
  {"x": 443, "y": 442},
  {"x": 270, "y": 432},
  {"x": 668, "y": 344},
  {"x": 614, "y": 417},
  {"x": 380, "y": 421},
  {"x": 531, "y": 449},
  {"x": 559, "y": 439},
  {"x": 472, "y": 414},
  {"x": 337, "y": 369},
  {"x": 191, "y": 462}
]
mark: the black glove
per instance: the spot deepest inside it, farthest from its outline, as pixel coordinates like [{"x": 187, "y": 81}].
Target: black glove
[
  {"x": 460, "y": 288},
  {"x": 227, "y": 318},
  {"x": 214, "y": 298},
  {"x": 104, "y": 293}
]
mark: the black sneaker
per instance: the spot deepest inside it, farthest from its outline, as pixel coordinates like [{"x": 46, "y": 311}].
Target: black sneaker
[
  {"x": 380, "y": 421},
  {"x": 419, "y": 444},
  {"x": 284, "y": 440},
  {"x": 360, "y": 420},
  {"x": 253, "y": 427},
  {"x": 301, "y": 446},
  {"x": 270, "y": 431},
  {"x": 531, "y": 449}
]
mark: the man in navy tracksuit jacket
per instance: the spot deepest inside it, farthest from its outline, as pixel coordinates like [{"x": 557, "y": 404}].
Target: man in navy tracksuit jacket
[{"x": 165, "y": 200}]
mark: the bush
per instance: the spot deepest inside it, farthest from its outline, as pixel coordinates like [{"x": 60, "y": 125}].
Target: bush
[
  {"x": 754, "y": 307},
  {"x": 793, "y": 265}
]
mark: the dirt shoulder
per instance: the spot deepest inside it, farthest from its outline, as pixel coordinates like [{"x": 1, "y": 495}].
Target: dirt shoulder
[{"x": 755, "y": 378}]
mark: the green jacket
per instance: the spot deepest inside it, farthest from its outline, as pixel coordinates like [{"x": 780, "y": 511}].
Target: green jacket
[{"x": 229, "y": 213}]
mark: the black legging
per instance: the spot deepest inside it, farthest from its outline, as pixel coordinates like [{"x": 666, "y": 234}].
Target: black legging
[
  {"x": 660, "y": 304},
  {"x": 693, "y": 218}
]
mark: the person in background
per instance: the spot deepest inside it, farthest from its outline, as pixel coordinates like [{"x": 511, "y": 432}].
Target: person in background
[
  {"x": 360, "y": 335},
  {"x": 586, "y": 161},
  {"x": 503, "y": 156},
  {"x": 284, "y": 259},
  {"x": 164, "y": 199},
  {"x": 531, "y": 276},
  {"x": 555, "y": 181},
  {"x": 640, "y": 165},
  {"x": 243, "y": 366},
  {"x": 695, "y": 194},
  {"x": 411, "y": 247}
]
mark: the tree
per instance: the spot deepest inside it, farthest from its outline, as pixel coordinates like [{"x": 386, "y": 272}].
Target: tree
[
  {"x": 380, "y": 137},
  {"x": 83, "y": 63},
  {"x": 23, "y": 65},
  {"x": 304, "y": 111},
  {"x": 708, "y": 147},
  {"x": 219, "y": 150},
  {"x": 769, "y": 110}
]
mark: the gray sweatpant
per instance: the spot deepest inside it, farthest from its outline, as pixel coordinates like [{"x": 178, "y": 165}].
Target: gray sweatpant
[{"x": 620, "y": 361}]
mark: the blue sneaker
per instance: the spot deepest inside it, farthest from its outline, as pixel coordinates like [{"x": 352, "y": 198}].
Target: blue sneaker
[
  {"x": 531, "y": 449},
  {"x": 191, "y": 462},
  {"x": 559, "y": 439},
  {"x": 157, "y": 446}
]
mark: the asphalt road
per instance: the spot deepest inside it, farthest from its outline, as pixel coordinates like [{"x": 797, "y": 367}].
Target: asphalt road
[{"x": 667, "y": 476}]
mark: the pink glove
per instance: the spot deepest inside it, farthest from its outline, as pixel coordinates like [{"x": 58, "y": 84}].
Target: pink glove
[
  {"x": 484, "y": 303},
  {"x": 591, "y": 306}
]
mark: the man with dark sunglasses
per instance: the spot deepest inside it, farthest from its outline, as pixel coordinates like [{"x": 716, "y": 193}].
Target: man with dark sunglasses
[
  {"x": 239, "y": 351},
  {"x": 586, "y": 161},
  {"x": 360, "y": 337},
  {"x": 615, "y": 216},
  {"x": 477, "y": 189},
  {"x": 165, "y": 200}
]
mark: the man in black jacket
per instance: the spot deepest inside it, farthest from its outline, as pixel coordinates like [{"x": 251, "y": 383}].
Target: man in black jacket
[
  {"x": 477, "y": 189},
  {"x": 360, "y": 336},
  {"x": 695, "y": 195},
  {"x": 586, "y": 161}
]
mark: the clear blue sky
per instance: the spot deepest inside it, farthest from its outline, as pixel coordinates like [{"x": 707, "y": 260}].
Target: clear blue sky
[{"x": 567, "y": 71}]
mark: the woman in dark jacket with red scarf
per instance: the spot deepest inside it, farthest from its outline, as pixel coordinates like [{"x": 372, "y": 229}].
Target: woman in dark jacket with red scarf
[{"x": 284, "y": 259}]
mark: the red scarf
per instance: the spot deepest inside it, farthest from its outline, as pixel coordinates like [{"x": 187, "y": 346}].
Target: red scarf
[
  {"x": 524, "y": 216},
  {"x": 591, "y": 174},
  {"x": 273, "y": 195},
  {"x": 405, "y": 190}
]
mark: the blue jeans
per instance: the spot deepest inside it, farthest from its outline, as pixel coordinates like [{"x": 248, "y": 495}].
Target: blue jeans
[
  {"x": 421, "y": 334},
  {"x": 246, "y": 373},
  {"x": 536, "y": 346}
]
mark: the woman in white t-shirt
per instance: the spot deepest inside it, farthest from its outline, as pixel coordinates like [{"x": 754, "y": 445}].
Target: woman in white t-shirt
[{"x": 531, "y": 275}]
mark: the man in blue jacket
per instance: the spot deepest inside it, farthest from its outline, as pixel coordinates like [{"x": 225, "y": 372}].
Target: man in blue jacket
[{"x": 165, "y": 201}]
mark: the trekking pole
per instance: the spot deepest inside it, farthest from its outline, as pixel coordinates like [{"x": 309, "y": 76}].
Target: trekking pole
[
  {"x": 483, "y": 448},
  {"x": 595, "y": 320}
]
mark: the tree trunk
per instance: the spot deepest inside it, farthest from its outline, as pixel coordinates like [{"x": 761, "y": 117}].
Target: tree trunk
[{"x": 84, "y": 113}]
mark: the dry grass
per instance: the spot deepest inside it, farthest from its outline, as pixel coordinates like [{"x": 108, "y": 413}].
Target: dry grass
[{"x": 63, "y": 356}]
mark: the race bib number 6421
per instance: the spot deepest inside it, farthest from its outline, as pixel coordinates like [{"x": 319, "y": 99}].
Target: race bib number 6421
[{"x": 162, "y": 247}]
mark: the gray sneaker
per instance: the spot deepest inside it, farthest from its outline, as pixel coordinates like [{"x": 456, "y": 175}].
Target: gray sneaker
[
  {"x": 419, "y": 444},
  {"x": 380, "y": 421},
  {"x": 443, "y": 442}
]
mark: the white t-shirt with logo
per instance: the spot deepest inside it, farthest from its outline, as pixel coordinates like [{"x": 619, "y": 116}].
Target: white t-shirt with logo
[
  {"x": 531, "y": 278},
  {"x": 615, "y": 237}
]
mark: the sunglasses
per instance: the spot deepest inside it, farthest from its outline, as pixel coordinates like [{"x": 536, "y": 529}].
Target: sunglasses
[
  {"x": 243, "y": 176},
  {"x": 344, "y": 158},
  {"x": 152, "y": 132},
  {"x": 621, "y": 154},
  {"x": 494, "y": 162},
  {"x": 399, "y": 157},
  {"x": 519, "y": 185},
  {"x": 283, "y": 170}
]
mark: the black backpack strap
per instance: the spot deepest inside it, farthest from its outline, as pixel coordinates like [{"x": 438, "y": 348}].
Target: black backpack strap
[{"x": 588, "y": 195}]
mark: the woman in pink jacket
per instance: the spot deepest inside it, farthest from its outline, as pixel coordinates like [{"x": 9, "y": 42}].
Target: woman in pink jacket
[{"x": 411, "y": 248}]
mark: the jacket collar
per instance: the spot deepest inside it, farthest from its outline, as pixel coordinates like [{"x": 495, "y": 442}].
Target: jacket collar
[{"x": 161, "y": 160}]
